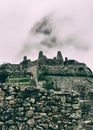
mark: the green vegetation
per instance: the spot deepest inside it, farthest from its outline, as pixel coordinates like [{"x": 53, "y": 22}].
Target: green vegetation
[
  {"x": 21, "y": 81},
  {"x": 49, "y": 84},
  {"x": 41, "y": 77},
  {"x": 70, "y": 74},
  {"x": 3, "y": 76},
  {"x": 18, "y": 79},
  {"x": 42, "y": 73},
  {"x": 4, "y": 66},
  {"x": 33, "y": 82},
  {"x": 62, "y": 71},
  {"x": 85, "y": 109}
]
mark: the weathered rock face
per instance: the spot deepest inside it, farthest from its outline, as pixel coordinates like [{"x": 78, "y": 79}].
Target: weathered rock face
[{"x": 38, "y": 109}]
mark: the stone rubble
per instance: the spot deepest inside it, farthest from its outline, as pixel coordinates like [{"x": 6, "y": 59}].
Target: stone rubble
[{"x": 38, "y": 109}]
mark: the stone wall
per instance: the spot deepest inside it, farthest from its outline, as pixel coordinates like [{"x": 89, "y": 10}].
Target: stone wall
[
  {"x": 38, "y": 109},
  {"x": 72, "y": 82}
]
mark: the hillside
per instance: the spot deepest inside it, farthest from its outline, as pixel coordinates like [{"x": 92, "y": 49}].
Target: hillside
[{"x": 51, "y": 94}]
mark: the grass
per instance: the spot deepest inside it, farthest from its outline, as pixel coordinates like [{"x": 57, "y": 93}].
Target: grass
[
  {"x": 18, "y": 81},
  {"x": 57, "y": 73}
]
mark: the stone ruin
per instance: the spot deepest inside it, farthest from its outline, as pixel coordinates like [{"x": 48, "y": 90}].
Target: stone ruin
[
  {"x": 34, "y": 94},
  {"x": 57, "y": 63},
  {"x": 43, "y": 60},
  {"x": 38, "y": 109}
]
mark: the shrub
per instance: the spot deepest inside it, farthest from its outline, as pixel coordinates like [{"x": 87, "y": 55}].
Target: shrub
[
  {"x": 33, "y": 82},
  {"x": 49, "y": 84},
  {"x": 3, "y": 76},
  {"x": 42, "y": 73}
]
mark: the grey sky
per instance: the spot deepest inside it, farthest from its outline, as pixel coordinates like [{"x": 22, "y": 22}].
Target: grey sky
[{"x": 73, "y": 22}]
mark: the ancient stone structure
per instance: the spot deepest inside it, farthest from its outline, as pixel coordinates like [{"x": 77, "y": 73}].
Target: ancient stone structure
[
  {"x": 33, "y": 94},
  {"x": 38, "y": 109}
]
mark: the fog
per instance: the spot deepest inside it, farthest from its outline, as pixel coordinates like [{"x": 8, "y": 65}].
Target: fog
[{"x": 26, "y": 27}]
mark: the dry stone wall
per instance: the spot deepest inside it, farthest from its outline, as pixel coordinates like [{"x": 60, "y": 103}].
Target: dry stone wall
[
  {"x": 38, "y": 109},
  {"x": 72, "y": 82}
]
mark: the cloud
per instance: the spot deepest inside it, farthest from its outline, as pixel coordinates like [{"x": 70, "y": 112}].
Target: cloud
[
  {"x": 42, "y": 27},
  {"x": 51, "y": 25},
  {"x": 69, "y": 28},
  {"x": 48, "y": 33}
]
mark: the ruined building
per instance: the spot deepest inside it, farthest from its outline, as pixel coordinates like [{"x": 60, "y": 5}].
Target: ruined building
[
  {"x": 58, "y": 69},
  {"x": 46, "y": 94}
]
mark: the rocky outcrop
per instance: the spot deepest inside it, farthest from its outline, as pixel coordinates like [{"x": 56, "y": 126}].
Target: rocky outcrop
[{"x": 38, "y": 109}]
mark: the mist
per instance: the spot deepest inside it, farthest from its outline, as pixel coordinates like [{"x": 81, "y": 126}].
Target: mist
[
  {"x": 26, "y": 27},
  {"x": 70, "y": 32}
]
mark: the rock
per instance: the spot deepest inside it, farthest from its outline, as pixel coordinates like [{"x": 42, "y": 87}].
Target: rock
[
  {"x": 29, "y": 114},
  {"x": 24, "y": 126},
  {"x": 4, "y": 127},
  {"x": 42, "y": 110},
  {"x": 10, "y": 97},
  {"x": 10, "y": 122},
  {"x": 1, "y": 123},
  {"x": 32, "y": 100},
  {"x": 5, "y": 117},
  {"x": 31, "y": 121},
  {"x": 13, "y": 127},
  {"x": 11, "y": 102}
]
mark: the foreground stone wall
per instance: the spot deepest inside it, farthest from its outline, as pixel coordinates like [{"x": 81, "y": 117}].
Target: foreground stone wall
[{"x": 38, "y": 109}]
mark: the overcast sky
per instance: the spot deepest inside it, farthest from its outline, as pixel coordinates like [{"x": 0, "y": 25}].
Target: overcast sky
[{"x": 71, "y": 22}]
